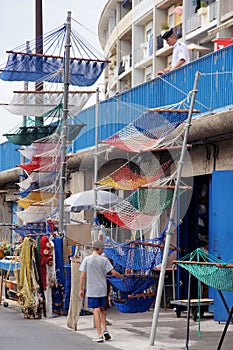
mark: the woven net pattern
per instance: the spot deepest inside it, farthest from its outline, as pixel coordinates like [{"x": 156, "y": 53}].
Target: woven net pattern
[
  {"x": 147, "y": 132},
  {"x": 136, "y": 255},
  {"x": 209, "y": 270},
  {"x": 126, "y": 179},
  {"x": 138, "y": 210},
  {"x": 133, "y": 283},
  {"x": 134, "y": 305}
]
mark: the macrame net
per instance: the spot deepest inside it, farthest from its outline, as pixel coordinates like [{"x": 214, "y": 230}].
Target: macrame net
[
  {"x": 147, "y": 132},
  {"x": 27, "y": 66},
  {"x": 37, "y": 103},
  {"x": 209, "y": 269}
]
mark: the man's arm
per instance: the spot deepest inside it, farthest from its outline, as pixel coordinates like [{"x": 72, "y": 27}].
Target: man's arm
[
  {"x": 116, "y": 274},
  {"x": 82, "y": 283},
  {"x": 178, "y": 64}
]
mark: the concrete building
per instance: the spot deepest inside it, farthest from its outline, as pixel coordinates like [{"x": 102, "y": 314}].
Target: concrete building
[{"x": 130, "y": 35}]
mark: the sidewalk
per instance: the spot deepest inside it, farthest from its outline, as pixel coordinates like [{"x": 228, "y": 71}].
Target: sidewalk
[{"x": 132, "y": 331}]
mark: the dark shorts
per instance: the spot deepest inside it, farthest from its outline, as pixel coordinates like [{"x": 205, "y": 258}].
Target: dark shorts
[{"x": 94, "y": 303}]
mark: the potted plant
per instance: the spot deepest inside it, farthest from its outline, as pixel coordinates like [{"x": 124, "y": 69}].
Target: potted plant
[
  {"x": 164, "y": 27},
  {"x": 203, "y": 9}
]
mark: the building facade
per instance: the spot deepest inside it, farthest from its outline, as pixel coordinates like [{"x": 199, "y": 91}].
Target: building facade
[{"x": 130, "y": 32}]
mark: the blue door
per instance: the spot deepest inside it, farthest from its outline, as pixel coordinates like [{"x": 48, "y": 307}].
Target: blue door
[{"x": 221, "y": 231}]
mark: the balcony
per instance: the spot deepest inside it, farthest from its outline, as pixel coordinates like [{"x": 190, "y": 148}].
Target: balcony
[{"x": 144, "y": 54}]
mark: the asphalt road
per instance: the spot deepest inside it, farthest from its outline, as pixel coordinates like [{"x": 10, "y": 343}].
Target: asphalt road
[{"x": 23, "y": 334}]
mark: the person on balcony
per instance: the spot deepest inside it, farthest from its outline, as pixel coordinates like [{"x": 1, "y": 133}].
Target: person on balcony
[{"x": 180, "y": 53}]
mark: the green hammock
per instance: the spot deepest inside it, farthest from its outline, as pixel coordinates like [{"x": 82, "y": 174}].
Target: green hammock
[
  {"x": 36, "y": 130},
  {"x": 208, "y": 269}
]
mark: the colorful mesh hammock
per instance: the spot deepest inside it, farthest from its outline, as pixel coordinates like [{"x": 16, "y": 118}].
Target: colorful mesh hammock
[
  {"x": 208, "y": 269},
  {"x": 126, "y": 179},
  {"x": 139, "y": 210},
  {"x": 148, "y": 131}
]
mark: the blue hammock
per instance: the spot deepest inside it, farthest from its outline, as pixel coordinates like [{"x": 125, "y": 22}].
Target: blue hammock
[
  {"x": 132, "y": 283},
  {"x": 135, "y": 304},
  {"x": 28, "y": 67},
  {"x": 86, "y": 65}
]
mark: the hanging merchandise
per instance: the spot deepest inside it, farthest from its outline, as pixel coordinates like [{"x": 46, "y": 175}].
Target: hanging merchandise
[{"x": 31, "y": 295}]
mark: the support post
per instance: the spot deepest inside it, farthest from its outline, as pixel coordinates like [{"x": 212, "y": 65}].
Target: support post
[
  {"x": 96, "y": 150},
  {"x": 64, "y": 125},
  {"x": 171, "y": 218}
]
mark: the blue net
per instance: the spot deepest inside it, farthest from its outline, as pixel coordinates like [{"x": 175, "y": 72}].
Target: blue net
[
  {"x": 135, "y": 304},
  {"x": 133, "y": 283}
]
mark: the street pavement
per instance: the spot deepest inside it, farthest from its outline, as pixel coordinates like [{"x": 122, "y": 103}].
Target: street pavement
[{"x": 132, "y": 331}]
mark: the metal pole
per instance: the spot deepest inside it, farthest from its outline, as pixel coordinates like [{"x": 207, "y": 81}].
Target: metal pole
[
  {"x": 64, "y": 124},
  {"x": 96, "y": 150},
  {"x": 188, "y": 314},
  {"x": 171, "y": 219}
]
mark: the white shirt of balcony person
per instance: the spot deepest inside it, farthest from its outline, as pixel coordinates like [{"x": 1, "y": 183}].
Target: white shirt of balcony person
[{"x": 180, "y": 53}]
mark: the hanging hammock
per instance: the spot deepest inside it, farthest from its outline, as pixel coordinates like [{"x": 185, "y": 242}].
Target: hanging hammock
[
  {"x": 133, "y": 282},
  {"x": 208, "y": 269},
  {"x": 38, "y": 213},
  {"x": 41, "y": 164},
  {"x": 148, "y": 131},
  {"x": 139, "y": 209},
  {"x": 43, "y": 127},
  {"x": 135, "y": 303},
  {"x": 125, "y": 178},
  {"x": 37, "y": 103},
  {"x": 37, "y": 148},
  {"x": 32, "y": 229},
  {"x": 85, "y": 66},
  {"x": 136, "y": 255},
  {"x": 35, "y": 197},
  {"x": 37, "y": 128}
]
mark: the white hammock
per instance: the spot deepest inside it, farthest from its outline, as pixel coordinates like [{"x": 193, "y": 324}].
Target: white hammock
[{"x": 37, "y": 103}]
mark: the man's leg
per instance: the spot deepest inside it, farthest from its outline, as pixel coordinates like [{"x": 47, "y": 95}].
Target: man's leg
[
  {"x": 98, "y": 320},
  {"x": 106, "y": 334},
  {"x": 103, "y": 318}
]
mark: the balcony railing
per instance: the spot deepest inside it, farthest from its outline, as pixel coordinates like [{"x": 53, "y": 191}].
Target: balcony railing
[{"x": 214, "y": 94}]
